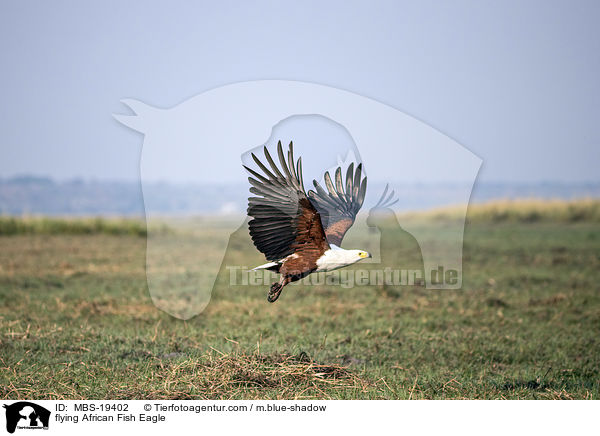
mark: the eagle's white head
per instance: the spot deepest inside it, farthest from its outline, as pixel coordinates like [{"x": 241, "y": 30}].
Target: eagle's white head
[
  {"x": 359, "y": 254},
  {"x": 337, "y": 257}
]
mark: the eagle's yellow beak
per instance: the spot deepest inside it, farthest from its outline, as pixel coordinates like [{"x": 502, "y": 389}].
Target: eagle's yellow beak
[{"x": 364, "y": 254}]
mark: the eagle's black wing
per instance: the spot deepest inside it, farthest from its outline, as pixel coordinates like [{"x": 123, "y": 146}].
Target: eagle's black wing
[
  {"x": 284, "y": 219},
  {"x": 339, "y": 206}
]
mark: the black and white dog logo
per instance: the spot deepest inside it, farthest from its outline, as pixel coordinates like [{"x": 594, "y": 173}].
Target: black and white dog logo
[{"x": 26, "y": 415}]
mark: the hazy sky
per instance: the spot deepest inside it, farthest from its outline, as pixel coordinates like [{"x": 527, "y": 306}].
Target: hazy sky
[{"x": 515, "y": 82}]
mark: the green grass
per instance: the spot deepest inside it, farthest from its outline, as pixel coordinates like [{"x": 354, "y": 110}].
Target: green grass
[
  {"x": 70, "y": 226},
  {"x": 497, "y": 211},
  {"x": 76, "y": 322}
]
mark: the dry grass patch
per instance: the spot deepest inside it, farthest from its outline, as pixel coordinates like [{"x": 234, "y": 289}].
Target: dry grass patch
[
  {"x": 249, "y": 376},
  {"x": 517, "y": 211}
]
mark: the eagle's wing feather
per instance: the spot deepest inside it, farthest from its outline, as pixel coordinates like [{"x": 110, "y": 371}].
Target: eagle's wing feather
[
  {"x": 284, "y": 220},
  {"x": 339, "y": 204}
]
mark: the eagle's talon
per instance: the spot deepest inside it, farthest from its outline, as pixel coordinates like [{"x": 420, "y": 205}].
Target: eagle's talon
[{"x": 274, "y": 292}]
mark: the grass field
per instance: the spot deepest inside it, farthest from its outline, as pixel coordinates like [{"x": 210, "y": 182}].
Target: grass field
[{"x": 76, "y": 322}]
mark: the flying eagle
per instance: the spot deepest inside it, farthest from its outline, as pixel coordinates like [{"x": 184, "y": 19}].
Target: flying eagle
[{"x": 301, "y": 233}]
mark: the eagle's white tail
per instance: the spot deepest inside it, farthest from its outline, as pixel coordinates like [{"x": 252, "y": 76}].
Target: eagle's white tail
[{"x": 266, "y": 266}]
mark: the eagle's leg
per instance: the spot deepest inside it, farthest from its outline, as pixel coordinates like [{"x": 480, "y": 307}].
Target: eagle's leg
[{"x": 276, "y": 288}]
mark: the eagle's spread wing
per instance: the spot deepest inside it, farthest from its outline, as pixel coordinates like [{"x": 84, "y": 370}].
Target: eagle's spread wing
[
  {"x": 338, "y": 206},
  {"x": 284, "y": 220}
]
